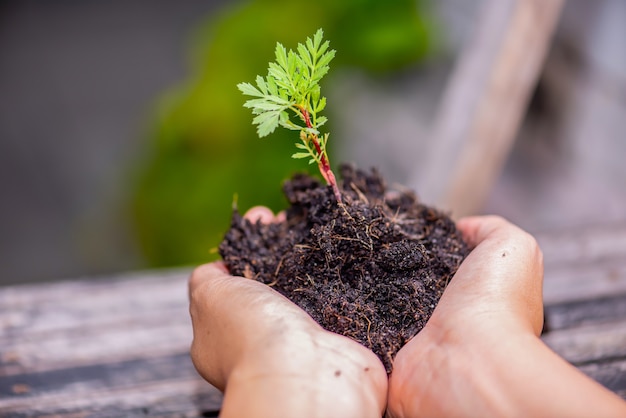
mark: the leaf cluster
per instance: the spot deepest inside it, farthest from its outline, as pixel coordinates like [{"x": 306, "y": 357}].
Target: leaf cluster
[{"x": 289, "y": 96}]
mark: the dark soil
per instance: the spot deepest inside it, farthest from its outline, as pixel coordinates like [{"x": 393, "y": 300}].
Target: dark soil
[{"x": 372, "y": 269}]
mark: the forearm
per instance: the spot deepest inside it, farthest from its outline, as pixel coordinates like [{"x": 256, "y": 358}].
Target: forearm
[
  {"x": 521, "y": 376},
  {"x": 312, "y": 380},
  {"x": 299, "y": 395},
  {"x": 513, "y": 375},
  {"x": 532, "y": 380},
  {"x": 272, "y": 359}
]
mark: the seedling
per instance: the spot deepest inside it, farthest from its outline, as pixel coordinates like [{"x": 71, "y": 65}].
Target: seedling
[{"x": 291, "y": 89}]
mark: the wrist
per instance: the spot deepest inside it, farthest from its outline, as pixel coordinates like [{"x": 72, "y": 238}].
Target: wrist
[
  {"x": 447, "y": 374},
  {"x": 312, "y": 374},
  {"x": 514, "y": 375}
]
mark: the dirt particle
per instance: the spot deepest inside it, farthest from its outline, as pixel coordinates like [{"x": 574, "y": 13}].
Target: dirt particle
[
  {"x": 401, "y": 255},
  {"x": 337, "y": 373},
  {"x": 372, "y": 269}
]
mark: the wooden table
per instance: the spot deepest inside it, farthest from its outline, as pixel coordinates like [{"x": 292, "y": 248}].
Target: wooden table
[{"x": 119, "y": 346}]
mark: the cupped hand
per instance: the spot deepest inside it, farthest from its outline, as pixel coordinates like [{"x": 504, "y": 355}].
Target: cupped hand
[
  {"x": 479, "y": 354},
  {"x": 271, "y": 358},
  {"x": 492, "y": 305}
]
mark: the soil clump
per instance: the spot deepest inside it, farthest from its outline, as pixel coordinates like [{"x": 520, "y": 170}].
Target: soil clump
[{"x": 372, "y": 269}]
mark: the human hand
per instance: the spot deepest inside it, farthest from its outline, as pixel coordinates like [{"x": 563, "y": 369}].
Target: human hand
[
  {"x": 479, "y": 354},
  {"x": 270, "y": 357},
  {"x": 493, "y": 302}
]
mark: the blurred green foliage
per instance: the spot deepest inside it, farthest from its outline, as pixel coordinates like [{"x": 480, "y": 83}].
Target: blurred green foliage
[{"x": 203, "y": 149}]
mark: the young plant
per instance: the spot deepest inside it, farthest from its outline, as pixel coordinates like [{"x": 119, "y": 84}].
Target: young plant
[{"x": 291, "y": 89}]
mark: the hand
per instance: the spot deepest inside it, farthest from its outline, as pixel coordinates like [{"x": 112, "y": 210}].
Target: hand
[
  {"x": 479, "y": 354},
  {"x": 270, "y": 357}
]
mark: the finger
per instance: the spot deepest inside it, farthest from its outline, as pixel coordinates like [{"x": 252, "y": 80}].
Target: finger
[
  {"x": 231, "y": 315},
  {"x": 205, "y": 273},
  {"x": 475, "y": 229},
  {"x": 495, "y": 292},
  {"x": 281, "y": 216},
  {"x": 260, "y": 214},
  {"x": 257, "y": 342},
  {"x": 504, "y": 270}
]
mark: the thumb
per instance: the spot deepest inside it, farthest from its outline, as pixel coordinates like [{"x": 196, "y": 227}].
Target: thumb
[{"x": 503, "y": 272}]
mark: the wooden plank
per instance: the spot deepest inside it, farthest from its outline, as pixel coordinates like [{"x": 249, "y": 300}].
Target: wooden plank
[
  {"x": 583, "y": 245},
  {"x": 179, "y": 398},
  {"x": 77, "y": 322},
  {"x": 585, "y": 300},
  {"x": 584, "y": 263},
  {"x": 611, "y": 375},
  {"x": 585, "y": 312},
  {"x": 484, "y": 103},
  {"x": 43, "y": 352},
  {"x": 575, "y": 282},
  {"x": 107, "y": 348},
  {"x": 99, "y": 296},
  {"x": 599, "y": 343}
]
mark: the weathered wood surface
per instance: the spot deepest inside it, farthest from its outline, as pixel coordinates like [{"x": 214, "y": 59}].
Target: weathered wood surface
[
  {"x": 115, "y": 347},
  {"x": 585, "y": 300},
  {"x": 119, "y": 347},
  {"x": 484, "y": 103}
]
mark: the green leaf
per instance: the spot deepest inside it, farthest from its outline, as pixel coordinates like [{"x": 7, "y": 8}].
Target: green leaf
[
  {"x": 248, "y": 89},
  {"x": 291, "y": 126},
  {"x": 291, "y": 63},
  {"x": 271, "y": 86},
  {"x": 264, "y": 105},
  {"x": 311, "y": 131},
  {"x": 298, "y": 155},
  {"x": 319, "y": 74},
  {"x": 320, "y": 105},
  {"x": 317, "y": 38},
  {"x": 305, "y": 55},
  {"x": 267, "y": 122},
  {"x": 281, "y": 55},
  {"x": 315, "y": 94},
  {"x": 311, "y": 47},
  {"x": 322, "y": 48},
  {"x": 274, "y": 100},
  {"x": 292, "y": 83},
  {"x": 260, "y": 82},
  {"x": 278, "y": 72},
  {"x": 300, "y": 73},
  {"x": 326, "y": 58},
  {"x": 285, "y": 122}
]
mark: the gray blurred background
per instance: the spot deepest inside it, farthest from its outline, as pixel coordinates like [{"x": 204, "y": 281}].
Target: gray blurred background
[{"x": 80, "y": 82}]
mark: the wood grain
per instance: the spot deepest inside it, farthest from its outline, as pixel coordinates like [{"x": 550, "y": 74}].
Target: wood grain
[
  {"x": 101, "y": 347},
  {"x": 584, "y": 263},
  {"x": 119, "y": 346}
]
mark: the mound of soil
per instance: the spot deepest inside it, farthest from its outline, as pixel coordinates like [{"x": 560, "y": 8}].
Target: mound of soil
[{"x": 372, "y": 269}]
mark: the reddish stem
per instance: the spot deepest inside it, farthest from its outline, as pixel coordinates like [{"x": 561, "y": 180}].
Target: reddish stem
[{"x": 324, "y": 166}]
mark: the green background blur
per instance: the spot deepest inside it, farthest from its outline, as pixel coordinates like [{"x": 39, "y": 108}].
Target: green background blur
[
  {"x": 202, "y": 150},
  {"x": 123, "y": 139}
]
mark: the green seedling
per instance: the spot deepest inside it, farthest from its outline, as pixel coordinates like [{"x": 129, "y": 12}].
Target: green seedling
[{"x": 291, "y": 90}]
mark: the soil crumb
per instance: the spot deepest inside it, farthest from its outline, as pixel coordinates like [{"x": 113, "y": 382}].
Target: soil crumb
[{"x": 372, "y": 269}]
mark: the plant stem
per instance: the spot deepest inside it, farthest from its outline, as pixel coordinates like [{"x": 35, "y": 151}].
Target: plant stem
[{"x": 323, "y": 163}]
